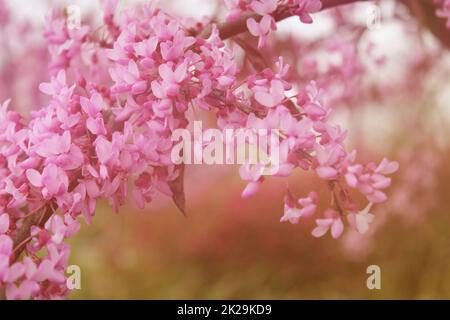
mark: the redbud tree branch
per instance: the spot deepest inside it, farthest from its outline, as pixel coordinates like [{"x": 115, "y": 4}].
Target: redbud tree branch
[
  {"x": 423, "y": 10},
  {"x": 233, "y": 28},
  {"x": 23, "y": 234},
  {"x": 228, "y": 30},
  {"x": 425, "y": 13}
]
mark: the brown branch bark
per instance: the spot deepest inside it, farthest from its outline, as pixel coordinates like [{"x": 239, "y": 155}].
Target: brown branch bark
[{"x": 425, "y": 13}]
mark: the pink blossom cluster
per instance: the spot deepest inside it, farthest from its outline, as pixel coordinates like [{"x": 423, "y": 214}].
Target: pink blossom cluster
[
  {"x": 64, "y": 43},
  {"x": 311, "y": 142},
  {"x": 106, "y": 135},
  {"x": 308, "y": 141},
  {"x": 90, "y": 141},
  {"x": 263, "y": 14},
  {"x": 26, "y": 192}
]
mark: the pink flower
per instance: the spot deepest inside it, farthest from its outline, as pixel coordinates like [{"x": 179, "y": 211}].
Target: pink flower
[
  {"x": 128, "y": 79},
  {"x": 53, "y": 181},
  {"x": 21, "y": 292},
  {"x": 263, "y": 7},
  {"x": 6, "y": 249},
  {"x": 306, "y": 7},
  {"x": 309, "y": 204},
  {"x": 104, "y": 149},
  {"x": 273, "y": 97},
  {"x": 13, "y": 273},
  {"x": 62, "y": 229},
  {"x": 172, "y": 50},
  {"x": 387, "y": 167},
  {"x": 96, "y": 126},
  {"x": 261, "y": 29},
  {"x": 6, "y": 245},
  {"x": 292, "y": 213},
  {"x": 332, "y": 221},
  {"x": 253, "y": 174},
  {"x": 53, "y": 145},
  {"x": 311, "y": 102},
  {"x": 18, "y": 195},
  {"x": 146, "y": 47},
  {"x": 327, "y": 158},
  {"x": 371, "y": 179},
  {"x": 171, "y": 78},
  {"x": 47, "y": 271},
  {"x": 93, "y": 107},
  {"x": 56, "y": 86},
  {"x": 361, "y": 220}
]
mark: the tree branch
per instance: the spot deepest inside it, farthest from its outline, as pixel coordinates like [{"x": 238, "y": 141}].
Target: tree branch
[
  {"x": 233, "y": 28},
  {"x": 425, "y": 13},
  {"x": 22, "y": 237}
]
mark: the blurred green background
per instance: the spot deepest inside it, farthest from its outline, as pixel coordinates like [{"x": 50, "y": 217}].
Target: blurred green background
[{"x": 230, "y": 248}]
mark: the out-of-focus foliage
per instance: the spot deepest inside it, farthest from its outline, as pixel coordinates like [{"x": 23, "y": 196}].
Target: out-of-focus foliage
[{"x": 227, "y": 248}]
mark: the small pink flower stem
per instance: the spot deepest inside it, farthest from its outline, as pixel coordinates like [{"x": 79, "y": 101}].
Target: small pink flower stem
[{"x": 334, "y": 198}]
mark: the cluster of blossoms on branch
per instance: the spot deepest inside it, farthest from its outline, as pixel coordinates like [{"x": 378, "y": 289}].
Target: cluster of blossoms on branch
[{"x": 116, "y": 95}]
